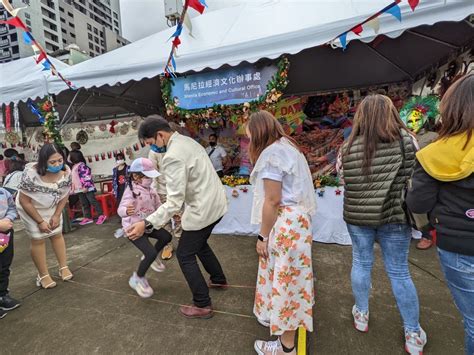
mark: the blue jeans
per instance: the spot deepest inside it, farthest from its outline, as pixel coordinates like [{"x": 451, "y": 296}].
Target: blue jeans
[
  {"x": 394, "y": 240},
  {"x": 459, "y": 273}
]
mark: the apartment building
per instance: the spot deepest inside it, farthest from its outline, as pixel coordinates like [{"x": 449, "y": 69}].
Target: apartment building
[{"x": 92, "y": 25}]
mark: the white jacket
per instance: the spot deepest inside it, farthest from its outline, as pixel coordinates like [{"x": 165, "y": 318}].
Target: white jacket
[{"x": 190, "y": 180}]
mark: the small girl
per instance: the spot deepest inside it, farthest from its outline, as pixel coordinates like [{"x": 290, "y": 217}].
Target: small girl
[
  {"x": 7, "y": 216},
  {"x": 138, "y": 202},
  {"x": 83, "y": 186}
]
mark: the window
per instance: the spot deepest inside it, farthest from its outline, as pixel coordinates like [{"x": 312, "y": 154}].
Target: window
[
  {"x": 97, "y": 49},
  {"x": 89, "y": 27},
  {"x": 115, "y": 15},
  {"x": 96, "y": 31},
  {"x": 64, "y": 41},
  {"x": 71, "y": 25},
  {"x": 61, "y": 9},
  {"x": 63, "y": 20},
  {"x": 90, "y": 36},
  {"x": 73, "y": 35},
  {"x": 27, "y": 15},
  {"x": 28, "y": 22},
  {"x": 96, "y": 40},
  {"x": 70, "y": 14},
  {"x": 15, "y": 50},
  {"x": 91, "y": 46},
  {"x": 91, "y": 54},
  {"x": 102, "y": 43},
  {"x": 14, "y": 37},
  {"x": 63, "y": 30},
  {"x": 101, "y": 33}
]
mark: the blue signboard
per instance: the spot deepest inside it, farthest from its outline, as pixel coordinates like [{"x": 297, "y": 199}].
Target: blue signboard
[{"x": 230, "y": 86}]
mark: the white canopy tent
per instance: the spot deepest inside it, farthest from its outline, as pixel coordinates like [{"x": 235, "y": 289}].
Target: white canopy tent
[
  {"x": 23, "y": 79},
  {"x": 252, "y": 31}
]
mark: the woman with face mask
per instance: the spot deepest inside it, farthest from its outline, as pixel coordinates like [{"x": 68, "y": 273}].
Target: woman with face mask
[
  {"x": 138, "y": 202},
  {"x": 119, "y": 175},
  {"x": 43, "y": 194}
]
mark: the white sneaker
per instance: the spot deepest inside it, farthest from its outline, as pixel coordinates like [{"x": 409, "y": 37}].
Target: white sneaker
[
  {"x": 361, "y": 320},
  {"x": 157, "y": 265},
  {"x": 268, "y": 347},
  {"x": 265, "y": 323},
  {"x": 415, "y": 342},
  {"x": 141, "y": 286}
]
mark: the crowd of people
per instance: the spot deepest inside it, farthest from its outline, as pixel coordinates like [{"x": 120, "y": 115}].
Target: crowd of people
[{"x": 176, "y": 191}]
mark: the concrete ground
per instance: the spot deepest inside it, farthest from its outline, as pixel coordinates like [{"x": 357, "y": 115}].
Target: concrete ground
[{"x": 99, "y": 313}]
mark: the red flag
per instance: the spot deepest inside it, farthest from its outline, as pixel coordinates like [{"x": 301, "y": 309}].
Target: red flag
[
  {"x": 196, "y": 5},
  {"x": 16, "y": 22},
  {"x": 357, "y": 30},
  {"x": 413, "y": 4},
  {"x": 41, "y": 57},
  {"x": 176, "y": 41},
  {"x": 8, "y": 118}
]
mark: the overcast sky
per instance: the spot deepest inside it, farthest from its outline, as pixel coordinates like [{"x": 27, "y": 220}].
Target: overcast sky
[{"x": 141, "y": 18}]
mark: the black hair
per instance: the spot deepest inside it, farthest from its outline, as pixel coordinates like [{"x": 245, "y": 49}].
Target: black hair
[
  {"x": 45, "y": 153},
  {"x": 10, "y": 152},
  {"x": 1, "y": 157},
  {"x": 119, "y": 155},
  {"x": 130, "y": 181},
  {"x": 75, "y": 146},
  {"x": 152, "y": 125},
  {"x": 213, "y": 135},
  {"x": 77, "y": 157},
  {"x": 21, "y": 156},
  {"x": 15, "y": 165}
]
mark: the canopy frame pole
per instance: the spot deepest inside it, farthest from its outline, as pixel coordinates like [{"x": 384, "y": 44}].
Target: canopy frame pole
[
  {"x": 75, "y": 113},
  {"x": 444, "y": 43},
  {"x": 390, "y": 62},
  {"x": 70, "y": 105}
]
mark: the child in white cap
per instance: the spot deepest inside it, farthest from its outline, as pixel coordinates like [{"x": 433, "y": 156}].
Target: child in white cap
[{"x": 138, "y": 202}]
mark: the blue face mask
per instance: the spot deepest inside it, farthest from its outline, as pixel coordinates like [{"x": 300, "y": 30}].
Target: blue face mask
[
  {"x": 55, "y": 169},
  {"x": 157, "y": 149}
]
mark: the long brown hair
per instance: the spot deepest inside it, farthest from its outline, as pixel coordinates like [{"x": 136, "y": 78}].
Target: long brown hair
[
  {"x": 376, "y": 121},
  {"x": 264, "y": 130},
  {"x": 457, "y": 109}
]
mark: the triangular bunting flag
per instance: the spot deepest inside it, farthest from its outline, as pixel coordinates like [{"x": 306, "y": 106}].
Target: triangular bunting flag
[
  {"x": 395, "y": 12},
  {"x": 187, "y": 22},
  {"x": 196, "y": 5},
  {"x": 27, "y": 38},
  {"x": 357, "y": 30},
  {"x": 173, "y": 63},
  {"x": 41, "y": 57},
  {"x": 178, "y": 31},
  {"x": 374, "y": 24},
  {"x": 46, "y": 65},
  {"x": 16, "y": 22},
  {"x": 203, "y": 2},
  {"x": 413, "y": 4},
  {"x": 343, "y": 39},
  {"x": 176, "y": 42}
]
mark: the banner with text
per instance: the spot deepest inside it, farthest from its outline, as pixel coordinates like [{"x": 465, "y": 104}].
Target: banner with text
[{"x": 230, "y": 86}]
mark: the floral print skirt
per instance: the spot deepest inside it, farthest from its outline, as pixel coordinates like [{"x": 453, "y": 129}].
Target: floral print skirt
[{"x": 285, "y": 287}]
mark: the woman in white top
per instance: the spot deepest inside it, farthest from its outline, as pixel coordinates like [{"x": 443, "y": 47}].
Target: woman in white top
[
  {"x": 13, "y": 178},
  {"x": 43, "y": 194},
  {"x": 283, "y": 203}
]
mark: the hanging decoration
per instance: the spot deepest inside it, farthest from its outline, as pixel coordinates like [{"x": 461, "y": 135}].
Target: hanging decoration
[
  {"x": 35, "y": 110},
  {"x": 112, "y": 126},
  {"x": 39, "y": 51},
  {"x": 16, "y": 118},
  {"x": 218, "y": 114},
  {"x": 373, "y": 21},
  {"x": 418, "y": 111},
  {"x": 8, "y": 118},
  {"x": 2, "y": 125},
  {"x": 82, "y": 137},
  {"x": 50, "y": 126},
  {"x": 199, "y": 6}
]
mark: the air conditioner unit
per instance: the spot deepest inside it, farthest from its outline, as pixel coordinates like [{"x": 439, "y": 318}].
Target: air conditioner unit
[{"x": 173, "y": 10}]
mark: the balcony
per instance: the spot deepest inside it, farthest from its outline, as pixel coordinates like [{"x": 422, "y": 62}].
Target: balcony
[
  {"x": 3, "y": 30},
  {"x": 5, "y": 55},
  {"x": 4, "y": 43}
]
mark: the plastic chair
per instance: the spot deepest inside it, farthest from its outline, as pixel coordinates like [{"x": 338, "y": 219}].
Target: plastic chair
[
  {"x": 104, "y": 185},
  {"x": 108, "y": 203}
]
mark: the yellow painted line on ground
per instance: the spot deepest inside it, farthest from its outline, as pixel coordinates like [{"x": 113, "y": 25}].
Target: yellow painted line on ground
[{"x": 301, "y": 341}]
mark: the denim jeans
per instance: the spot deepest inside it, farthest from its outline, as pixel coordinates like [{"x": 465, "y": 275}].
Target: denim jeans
[
  {"x": 394, "y": 240},
  {"x": 459, "y": 273}
]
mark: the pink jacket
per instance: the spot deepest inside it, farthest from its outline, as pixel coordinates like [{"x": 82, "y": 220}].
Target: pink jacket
[{"x": 145, "y": 204}]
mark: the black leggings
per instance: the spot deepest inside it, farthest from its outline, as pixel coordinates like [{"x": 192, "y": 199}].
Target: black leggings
[{"x": 162, "y": 236}]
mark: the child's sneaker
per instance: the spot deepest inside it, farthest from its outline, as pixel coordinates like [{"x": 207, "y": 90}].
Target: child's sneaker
[
  {"x": 361, "y": 320},
  {"x": 86, "y": 221},
  {"x": 141, "y": 286},
  {"x": 415, "y": 342},
  {"x": 157, "y": 265},
  {"x": 119, "y": 233},
  {"x": 101, "y": 220},
  {"x": 8, "y": 304},
  {"x": 2, "y": 314}
]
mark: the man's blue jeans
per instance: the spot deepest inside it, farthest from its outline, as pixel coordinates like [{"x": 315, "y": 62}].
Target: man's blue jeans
[
  {"x": 459, "y": 273},
  {"x": 394, "y": 240}
]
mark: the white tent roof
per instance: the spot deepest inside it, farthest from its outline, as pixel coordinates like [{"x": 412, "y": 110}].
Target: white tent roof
[
  {"x": 24, "y": 79},
  {"x": 252, "y": 31}
]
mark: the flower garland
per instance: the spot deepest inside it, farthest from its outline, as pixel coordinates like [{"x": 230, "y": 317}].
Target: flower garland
[
  {"x": 217, "y": 114},
  {"x": 232, "y": 181},
  {"x": 50, "y": 128}
]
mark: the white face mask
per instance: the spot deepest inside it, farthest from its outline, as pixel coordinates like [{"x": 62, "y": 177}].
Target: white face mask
[{"x": 120, "y": 162}]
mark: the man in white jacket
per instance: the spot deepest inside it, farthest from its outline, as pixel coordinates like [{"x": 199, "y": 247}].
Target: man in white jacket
[{"x": 190, "y": 181}]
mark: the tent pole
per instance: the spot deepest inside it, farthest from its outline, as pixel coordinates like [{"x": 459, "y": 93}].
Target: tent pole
[
  {"x": 433, "y": 39},
  {"x": 70, "y": 105},
  {"x": 75, "y": 112},
  {"x": 389, "y": 61}
]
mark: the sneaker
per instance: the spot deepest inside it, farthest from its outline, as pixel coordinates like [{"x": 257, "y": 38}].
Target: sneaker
[
  {"x": 157, "y": 265},
  {"x": 361, "y": 320},
  {"x": 264, "y": 322},
  {"x": 270, "y": 348},
  {"x": 141, "y": 286},
  {"x": 101, "y": 220},
  {"x": 2, "y": 314},
  {"x": 119, "y": 233},
  {"x": 424, "y": 244},
  {"x": 8, "y": 304},
  {"x": 86, "y": 221},
  {"x": 167, "y": 252},
  {"x": 415, "y": 342}
]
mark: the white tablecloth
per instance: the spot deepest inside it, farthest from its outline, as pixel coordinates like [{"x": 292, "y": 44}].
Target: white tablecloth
[{"x": 328, "y": 225}]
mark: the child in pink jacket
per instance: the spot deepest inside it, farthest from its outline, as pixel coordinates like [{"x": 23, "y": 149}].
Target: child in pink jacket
[{"x": 138, "y": 202}]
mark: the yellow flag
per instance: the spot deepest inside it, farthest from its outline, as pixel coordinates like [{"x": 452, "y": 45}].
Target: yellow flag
[
  {"x": 374, "y": 24},
  {"x": 187, "y": 22}
]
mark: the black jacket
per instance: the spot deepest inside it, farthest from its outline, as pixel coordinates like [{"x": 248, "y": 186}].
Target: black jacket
[{"x": 450, "y": 206}]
